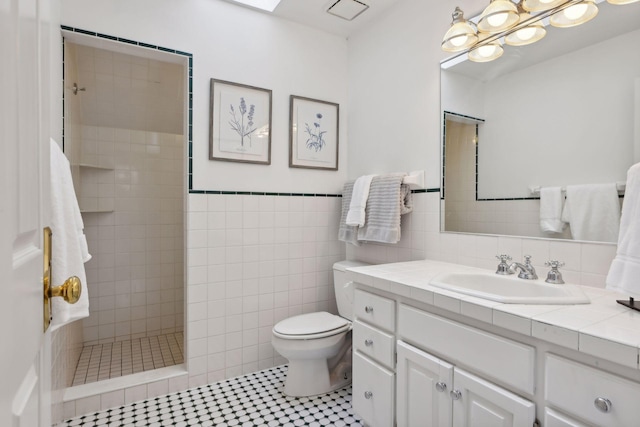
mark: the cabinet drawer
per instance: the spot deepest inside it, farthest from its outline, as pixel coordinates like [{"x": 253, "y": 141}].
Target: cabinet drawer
[
  {"x": 374, "y": 343},
  {"x": 576, "y": 389},
  {"x": 556, "y": 419},
  {"x": 484, "y": 352},
  {"x": 373, "y": 392},
  {"x": 375, "y": 310}
]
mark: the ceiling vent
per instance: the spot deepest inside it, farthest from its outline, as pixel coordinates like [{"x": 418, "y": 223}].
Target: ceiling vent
[{"x": 347, "y": 9}]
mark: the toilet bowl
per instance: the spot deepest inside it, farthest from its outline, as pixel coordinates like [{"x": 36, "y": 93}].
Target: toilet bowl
[{"x": 318, "y": 345}]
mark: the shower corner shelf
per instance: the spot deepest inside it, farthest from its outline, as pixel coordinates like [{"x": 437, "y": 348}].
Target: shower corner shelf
[
  {"x": 91, "y": 166},
  {"x": 96, "y": 211}
]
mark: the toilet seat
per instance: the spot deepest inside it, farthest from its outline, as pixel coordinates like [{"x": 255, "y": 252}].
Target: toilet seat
[{"x": 311, "y": 326}]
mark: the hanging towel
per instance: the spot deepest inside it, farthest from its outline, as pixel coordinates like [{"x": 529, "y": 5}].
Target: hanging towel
[
  {"x": 388, "y": 199},
  {"x": 624, "y": 273},
  {"x": 69, "y": 244},
  {"x": 347, "y": 233},
  {"x": 593, "y": 212},
  {"x": 359, "y": 196},
  {"x": 551, "y": 200}
]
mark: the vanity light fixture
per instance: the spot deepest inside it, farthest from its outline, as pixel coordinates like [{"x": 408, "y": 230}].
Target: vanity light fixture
[
  {"x": 517, "y": 23},
  {"x": 462, "y": 34},
  {"x": 500, "y": 15},
  {"x": 486, "y": 52},
  {"x": 528, "y": 34},
  {"x": 574, "y": 15}
]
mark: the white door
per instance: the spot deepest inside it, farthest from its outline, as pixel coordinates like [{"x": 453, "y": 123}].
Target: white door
[
  {"x": 423, "y": 386},
  {"x": 479, "y": 403},
  {"x": 24, "y": 168}
]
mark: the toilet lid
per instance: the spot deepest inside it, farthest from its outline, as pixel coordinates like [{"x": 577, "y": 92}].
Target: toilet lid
[{"x": 311, "y": 324}]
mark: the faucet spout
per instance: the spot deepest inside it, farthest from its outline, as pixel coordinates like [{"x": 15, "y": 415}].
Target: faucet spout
[{"x": 527, "y": 271}]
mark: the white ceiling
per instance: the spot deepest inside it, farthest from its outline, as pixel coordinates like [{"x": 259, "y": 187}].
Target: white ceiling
[{"x": 313, "y": 13}]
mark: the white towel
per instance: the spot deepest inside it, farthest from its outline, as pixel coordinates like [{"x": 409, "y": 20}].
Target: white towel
[
  {"x": 69, "y": 245},
  {"x": 359, "y": 196},
  {"x": 347, "y": 233},
  {"x": 593, "y": 211},
  {"x": 551, "y": 200},
  {"x": 388, "y": 199},
  {"x": 624, "y": 273}
]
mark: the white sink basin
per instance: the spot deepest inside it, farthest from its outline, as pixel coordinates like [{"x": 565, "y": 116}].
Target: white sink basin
[{"x": 510, "y": 289}]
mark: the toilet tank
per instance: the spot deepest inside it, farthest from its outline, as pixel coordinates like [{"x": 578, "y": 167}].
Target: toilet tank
[{"x": 344, "y": 288}]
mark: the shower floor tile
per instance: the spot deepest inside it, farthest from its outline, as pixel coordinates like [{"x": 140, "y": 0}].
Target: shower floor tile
[
  {"x": 116, "y": 359},
  {"x": 248, "y": 401}
]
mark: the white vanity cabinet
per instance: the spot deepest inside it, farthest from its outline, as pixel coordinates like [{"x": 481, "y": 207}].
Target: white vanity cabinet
[
  {"x": 374, "y": 359},
  {"x": 435, "y": 393},
  {"x": 591, "y": 394},
  {"x": 423, "y": 386}
]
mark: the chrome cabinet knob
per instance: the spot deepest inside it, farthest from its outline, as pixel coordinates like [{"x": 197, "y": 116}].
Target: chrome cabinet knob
[
  {"x": 602, "y": 404},
  {"x": 441, "y": 386},
  {"x": 368, "y": 309},
  {"x": 368, "y": 395},
  {"x": 455, "y": 394},
  {"x": 368, "y": 343}
]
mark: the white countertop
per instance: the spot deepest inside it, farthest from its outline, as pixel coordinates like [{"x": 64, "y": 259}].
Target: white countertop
[{"x": 603, "y": 328}]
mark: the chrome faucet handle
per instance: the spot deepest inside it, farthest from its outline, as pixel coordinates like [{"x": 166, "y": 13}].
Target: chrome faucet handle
[
  {"x": 554, "y": 263},
  {"x": 554, "y": 276},
  {"x": 527, "y": 260},
  {"x": 503, "y": 267}
]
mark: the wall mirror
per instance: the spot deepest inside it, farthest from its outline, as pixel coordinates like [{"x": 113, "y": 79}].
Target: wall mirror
[{"x": 562, "y": 111}]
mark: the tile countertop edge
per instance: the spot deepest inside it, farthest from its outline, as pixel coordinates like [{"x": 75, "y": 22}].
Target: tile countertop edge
[{"x": 417, "y": 274}]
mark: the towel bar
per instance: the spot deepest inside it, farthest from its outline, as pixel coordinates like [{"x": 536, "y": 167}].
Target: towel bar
[{"x": 535, "y": 189}]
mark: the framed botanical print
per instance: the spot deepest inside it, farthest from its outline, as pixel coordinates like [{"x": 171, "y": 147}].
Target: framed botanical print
[
  {"x": 313, "y": 133},
  {"x": 240, "y": 123}
]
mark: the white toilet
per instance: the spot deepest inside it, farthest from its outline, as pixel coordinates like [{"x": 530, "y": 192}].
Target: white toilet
[{"x": 318, "y": 345}]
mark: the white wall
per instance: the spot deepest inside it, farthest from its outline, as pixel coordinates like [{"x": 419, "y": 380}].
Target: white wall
[{"x": 239, "y": 45}]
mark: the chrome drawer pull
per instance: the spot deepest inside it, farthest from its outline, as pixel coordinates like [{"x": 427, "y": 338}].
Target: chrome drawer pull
[
  {"x": 602, "y": 404},
  {"x": 441, "y": 386},
  {"x": 455, "y": 394},
  {"x": 368, "y": 395},
  {"x": 368, "y": 309},
  {"x": 368, "y": 343}
]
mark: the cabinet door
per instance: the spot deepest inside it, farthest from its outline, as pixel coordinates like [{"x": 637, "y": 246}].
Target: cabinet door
[
  {"x": 556, "y": 419},
  {"x": 373, "y": 397},
  {"x": 423, "y": 386},
  {"x": 479, "y": 403}
]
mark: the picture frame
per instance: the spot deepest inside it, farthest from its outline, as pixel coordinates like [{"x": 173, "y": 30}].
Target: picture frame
[
  {"x": 314, "y": 127},
  {"x": 240, "y": 123}
]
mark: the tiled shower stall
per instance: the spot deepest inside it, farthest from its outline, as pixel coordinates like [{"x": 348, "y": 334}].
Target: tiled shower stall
[{"x": 124, "y": 139}]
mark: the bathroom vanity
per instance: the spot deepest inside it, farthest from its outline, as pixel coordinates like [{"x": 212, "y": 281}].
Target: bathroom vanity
[{"x": 425, "y": 356}]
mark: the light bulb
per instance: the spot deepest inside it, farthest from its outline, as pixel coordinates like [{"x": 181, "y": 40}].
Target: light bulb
[
  {"x": 486, "y": 50},
  {"x": 498, "y": 19},
  {"x": 458, "y": 41},
  {"x": 526, "y": 33},
  {"x": 545, "y": 1},
  {"x": 576, "y": 11}
]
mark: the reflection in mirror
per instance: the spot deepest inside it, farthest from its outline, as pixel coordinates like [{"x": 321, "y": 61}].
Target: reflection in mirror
[{"x": 554, "y": 114}]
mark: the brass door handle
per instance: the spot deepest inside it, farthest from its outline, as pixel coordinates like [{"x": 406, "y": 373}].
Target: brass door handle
[{"x": 70, "y": 290}]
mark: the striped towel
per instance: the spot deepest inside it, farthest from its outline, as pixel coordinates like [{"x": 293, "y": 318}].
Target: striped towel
[
  {"x": 347, "y": 233},
  {"x": 388, "y": 199}
]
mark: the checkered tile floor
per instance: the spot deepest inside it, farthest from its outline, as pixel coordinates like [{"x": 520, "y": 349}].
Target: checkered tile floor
[{"x": 251, "y": 400}]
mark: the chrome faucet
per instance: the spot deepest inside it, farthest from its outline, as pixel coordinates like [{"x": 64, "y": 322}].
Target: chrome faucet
[{"x": 526, "y": 270}]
